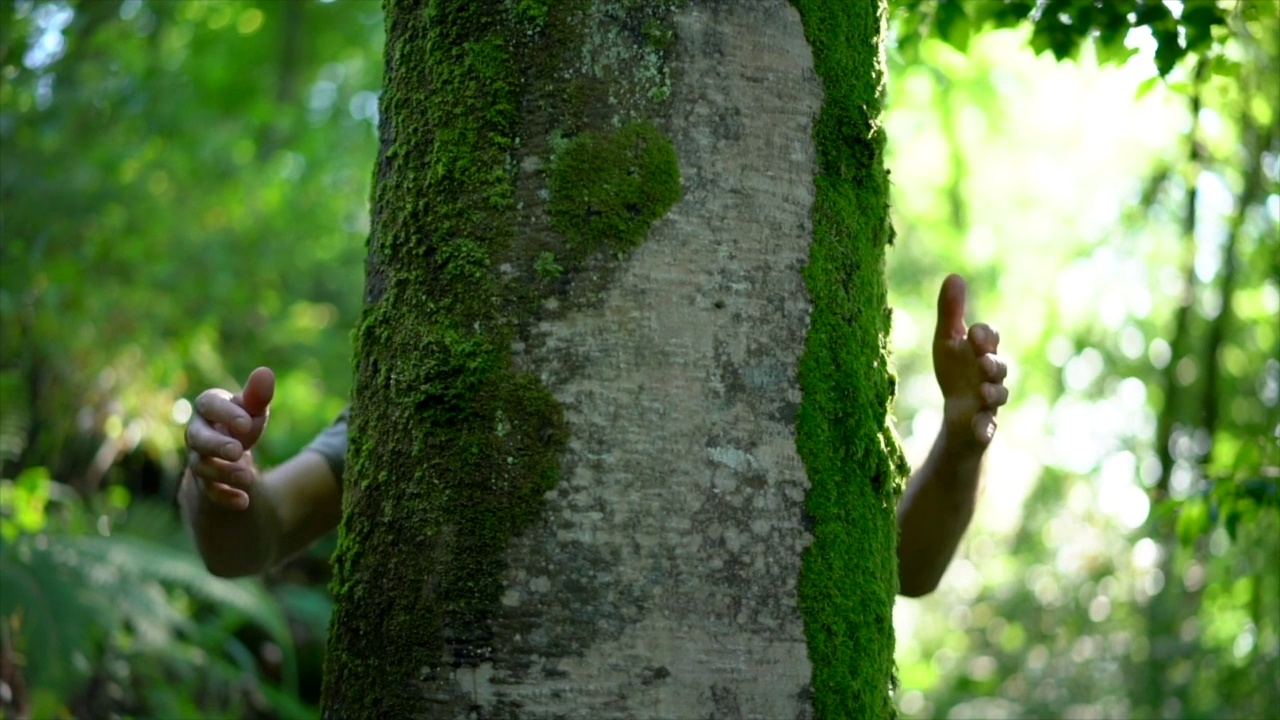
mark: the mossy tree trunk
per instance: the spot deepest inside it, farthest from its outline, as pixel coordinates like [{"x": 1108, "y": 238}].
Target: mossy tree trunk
[{"x": 619, "y": 440}]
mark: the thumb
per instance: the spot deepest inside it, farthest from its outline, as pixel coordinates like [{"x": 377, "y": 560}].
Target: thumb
[
  {"x": 255, "y": 398},
  {"x": 951, "y": 309},
  {"x": 258, "y": 391}
]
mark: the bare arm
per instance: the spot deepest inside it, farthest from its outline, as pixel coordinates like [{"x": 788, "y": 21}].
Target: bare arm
[
  {"x": 934, "y": 512},
  {"x": 940, "y": 498},
  {"x": 245, "y": 521},
  {"x": 290, "y": 506}
]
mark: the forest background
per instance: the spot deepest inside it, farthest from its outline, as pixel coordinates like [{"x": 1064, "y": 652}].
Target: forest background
[{"x": 184, "y": 196}]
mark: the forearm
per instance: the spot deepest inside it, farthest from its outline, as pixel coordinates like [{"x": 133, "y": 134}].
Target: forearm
[
  {"x": 232, "y": 543},
  {"x": 289, "y": 507},
  {"x": 935, "y": 511}
]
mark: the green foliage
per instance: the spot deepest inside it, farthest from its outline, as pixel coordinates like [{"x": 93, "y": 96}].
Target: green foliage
[
  {"x": 1063, "y": 26},
  {"x": 115, "y": 594},
  {"x": 608, "y": 188},
  {"x": 1133, "y": 277},
  {"x": 182, "y": 197}
]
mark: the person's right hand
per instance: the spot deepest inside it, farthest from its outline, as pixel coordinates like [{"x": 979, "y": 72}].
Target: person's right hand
[
  {"x": 970, "y": 373},
  {"x": 220, "y": 437}
]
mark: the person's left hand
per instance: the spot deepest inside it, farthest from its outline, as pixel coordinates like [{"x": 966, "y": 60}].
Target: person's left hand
[{"x": 968, "y": 370}]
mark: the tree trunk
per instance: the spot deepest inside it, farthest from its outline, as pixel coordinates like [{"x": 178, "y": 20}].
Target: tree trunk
[{"x": 619, "y": 441}]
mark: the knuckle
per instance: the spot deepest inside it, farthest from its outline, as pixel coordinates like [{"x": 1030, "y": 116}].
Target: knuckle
[
  {"x": 209, "y": 399},
  {"x": 202, "y": 401},
  {"x": 201, "y": 471},
  {"x": 209, "y": 471},
  {"x": 993, "y": 394}
]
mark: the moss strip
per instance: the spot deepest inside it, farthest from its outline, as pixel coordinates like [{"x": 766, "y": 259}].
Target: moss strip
[
  {"x": 849, "y": 577},
  {"x": 451, "y": 449}
]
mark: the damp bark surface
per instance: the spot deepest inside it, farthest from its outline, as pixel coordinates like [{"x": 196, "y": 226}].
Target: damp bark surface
[{"x": 619, "y": 443}]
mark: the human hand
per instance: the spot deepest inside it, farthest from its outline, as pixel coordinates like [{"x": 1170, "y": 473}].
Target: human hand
[
  {"x": 220, "y": 437},
  {"x": 968, "y": 370}
]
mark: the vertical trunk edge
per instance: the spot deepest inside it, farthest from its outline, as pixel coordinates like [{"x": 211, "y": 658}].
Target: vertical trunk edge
[{"x": 849, "y": 579}]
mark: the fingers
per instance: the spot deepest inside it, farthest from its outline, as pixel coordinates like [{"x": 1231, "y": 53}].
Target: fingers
[
  {"x": 950, "y": 309},
  {"x": 971, "y": 379},
  {"x": 993, "y": 366},
  {"x": 206, "y": 434},
  {"x": 216, "y": 470},
  {"x": 222, "y": 482},
  {"x": 216, "y": 407},
  {"x": 983, "y": 338},
  {"x": 993, "y": 395},
  {"x": 224, "y": 496},
  {"x": 219, "y": 436}
]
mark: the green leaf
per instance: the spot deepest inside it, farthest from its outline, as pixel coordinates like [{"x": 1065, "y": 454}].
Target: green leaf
[
  {"x": 1152, "y": 12},
  {"x": 1145, "y": 87},
  {"x": 56, "y": 617},
  {"x": 953, "y": 24},
  {"x": 1169, "y": 49},
  {"x": 1198, "y": 19},
  {"x": 1193, "y": 521},
  {"x": 1005, "y": 14}
]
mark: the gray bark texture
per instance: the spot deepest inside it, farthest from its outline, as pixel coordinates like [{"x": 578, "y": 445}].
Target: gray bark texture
[{"x": 662, "y": 582}]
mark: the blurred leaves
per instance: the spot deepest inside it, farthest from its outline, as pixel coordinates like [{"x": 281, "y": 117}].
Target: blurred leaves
[
  {"x": 182, "y": 183},
  {"x": 183, "y": 196},
  {"x": 114, "y": 597},
  {"x": 1062, "y": 27},
  {"x": 1122, "y": 229}
]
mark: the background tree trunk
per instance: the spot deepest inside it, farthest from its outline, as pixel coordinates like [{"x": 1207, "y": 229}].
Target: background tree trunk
[{"x": 619, "y": 445}]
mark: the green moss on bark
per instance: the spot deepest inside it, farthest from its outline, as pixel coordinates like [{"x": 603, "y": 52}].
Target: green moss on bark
[
  {"x": 849, "y": 577},
  {"x": 451, "y": 447},
  {"x": 595, "y": 82},
  {"x": 607, "y": 188}
]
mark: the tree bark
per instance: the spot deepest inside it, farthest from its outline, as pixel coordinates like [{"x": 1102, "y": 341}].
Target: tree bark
[{"x": 619, "y": 439}]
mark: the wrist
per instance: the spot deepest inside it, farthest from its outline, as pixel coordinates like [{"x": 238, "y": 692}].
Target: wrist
[{"x": 957, "y": 445}]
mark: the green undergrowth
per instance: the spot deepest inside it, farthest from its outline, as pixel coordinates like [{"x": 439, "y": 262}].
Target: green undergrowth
[{"x": 848, "y": 579}]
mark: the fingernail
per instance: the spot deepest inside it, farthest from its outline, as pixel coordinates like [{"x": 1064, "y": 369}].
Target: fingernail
[
  {"x": 231, "y": 451},
  {"x": 242, "y": 423}
]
